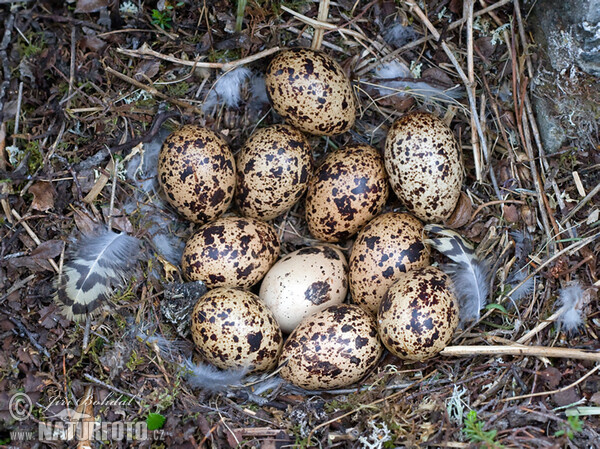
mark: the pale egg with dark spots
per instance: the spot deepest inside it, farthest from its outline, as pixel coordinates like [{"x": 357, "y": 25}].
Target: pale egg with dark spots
[
  {"x": 230, "y": 252},
  {"x": 304, "y": 282},
  {"x": 273, "y": 168},
  {"x": 196, "y": 170},
  {"x": 311, "y": 91},
  {"x": 349, "y": 188},
  {"x": 232, "y": 328},
  {"x": 418, "y": 314},
  {"x": 388, "y": 246},
  {"x": 423, "y": 161},
  {"x": 333, "y": 348}
]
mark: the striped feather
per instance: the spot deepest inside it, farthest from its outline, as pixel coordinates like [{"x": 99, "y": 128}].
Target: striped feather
[
  {"x": 99, "y": 264},
  {"x": 470, "y": 275}
]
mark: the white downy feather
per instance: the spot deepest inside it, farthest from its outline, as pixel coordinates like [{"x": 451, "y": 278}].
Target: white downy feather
[
  {"x": 227, "y": 90},
  {"x": 388, "y": 75},
  {"x": 571, "y": 315},
  {"x": 470, "y": 275},
  {"x": 399, "y": 35},
  {"x": 211, "y": 378},
  {"x": 99, "y": 264}
]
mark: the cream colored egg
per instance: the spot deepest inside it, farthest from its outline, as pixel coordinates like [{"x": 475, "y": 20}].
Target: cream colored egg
[
  {"x": 348, "y": 189},
  {"x": 418, "y": 314},
  {"x": 332, "y": 348},
  {"x": 424, "y": 164},
  {"x": 196, "y": 170},
  {"x": 273, "y": 168},
  {"x": 234, "y": 329},
  {"x": 390, "y": 245},
  {"x": 230, "y": 252},
  {"x": 304, "y": 282},
  {"x": 311, "y": 91}
]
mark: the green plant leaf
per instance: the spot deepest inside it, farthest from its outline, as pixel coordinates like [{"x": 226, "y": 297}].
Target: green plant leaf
[{"x": 155, "y": 421}]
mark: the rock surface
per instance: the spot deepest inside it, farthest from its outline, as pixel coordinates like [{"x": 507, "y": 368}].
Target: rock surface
[{"x": 566, "y": 84}]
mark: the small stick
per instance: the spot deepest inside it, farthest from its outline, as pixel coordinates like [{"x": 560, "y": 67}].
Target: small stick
[
  {"x": 535, "y": 351},
  {"x": 16, "y": 286},
  {"x": 110, "y": 387},
  {"x": 225, "y": 66},
  {"x": 588, "y": 197},
  {"x": 322, "y": 17},
  {"x": 153, "y": 91},
  {"x": 471, "y": 73},
  {"x": 491, "y": 203}
]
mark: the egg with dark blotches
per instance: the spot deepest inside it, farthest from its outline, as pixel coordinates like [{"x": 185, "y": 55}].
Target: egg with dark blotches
[
  {"x": 419, "y": 314},
  {"x": 196, "y": 170},
  {"x": 273, "y": 168},
  {"x": 348, "y": 189},
  {"x": 304, "y": 282},
  {"x": 230, "y": 252},
  {"x": 333, "y": 348},
  {"x": 233, "y": 329},
  {"x": 311, "y": 91},
  {"x": 388, "y": 246},
  {"x": 423, "y": 162}
]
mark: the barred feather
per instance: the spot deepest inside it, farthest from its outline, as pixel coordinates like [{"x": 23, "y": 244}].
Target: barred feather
[
  {"x": 99, "y": 264},
  {"x": 470, "y": 275}
]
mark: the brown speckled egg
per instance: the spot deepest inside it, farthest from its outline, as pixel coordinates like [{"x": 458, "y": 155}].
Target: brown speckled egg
[
  {"x": 347, "y": 190},
  {"x": 387, "y": 247},
  {"x": 234, "y": 329},
  {"x": 273, "y": 168},
  {"x": 418, "y": 314},
  {"x": 423, "y": 161},
  {"x": 311, "y": 91},
  {"x": 304, "y": 282},
  {"x": 230, "y": 252},
  {"x": 196, "y": 170},
  {"x": 332, "y": 348}
]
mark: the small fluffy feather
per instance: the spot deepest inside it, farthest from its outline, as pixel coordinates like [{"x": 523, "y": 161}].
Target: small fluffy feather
[
  {"x": 470, "y": 275},
  {"x": 211, "y": 378},
  {"x": 258, "y": 91},
  {"x": 227, "y": 90},
  {"x": 99, "y": 264},
  {"x": 571, "y": 315},
  {"x": 524, "y": 290},
  {"x": 171, "y": 350},
  {"x": 399, "y": 35},
  {"x": 389, "y": 78}
]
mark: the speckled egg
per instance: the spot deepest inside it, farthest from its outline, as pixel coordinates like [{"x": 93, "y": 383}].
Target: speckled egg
[
  {"x": 390, "y": 245},
  {"x": 423, "y": 161},
  {"x": 234, "y": 329},
  {"x": 273, "y": 168},
  {"x": 304, "y": 282},
  {"x": 230, "y": 252},
  {"x": 311, "y": 91},
  {"x": 418, "y": 314},
  {"x": 332, "y": 348},
  {"x": 196, "y": 170},
  {"x": 346, "y": 191}
]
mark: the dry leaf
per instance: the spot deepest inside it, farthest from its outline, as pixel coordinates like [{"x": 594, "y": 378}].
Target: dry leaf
[
  {"x": 462, "y": 214},
  {"x": 48, "y": 250},
  {"x": 147, "y": 69},
  {"x": 92, "y": 43},
  {"x": 87, "y": 6},
  {"x": 43, "y": 196},
  {"x": 511, "y": 214}
]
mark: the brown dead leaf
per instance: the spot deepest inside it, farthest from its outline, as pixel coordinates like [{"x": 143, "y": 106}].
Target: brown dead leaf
[
  {"x": 462, "y": 214},
  {"x": 88, "y": 6},
  {"x": 551, "y": 376},
  {"x": 147, "y": 69},
  {"x": 92, "y": 43},
  {"x": 528, "y": 215},
  {"x": 48, "y": 250},
  {"x": 85, "y": 223},
  {"x": 511, "y": 214},
  {"x": 43, "y": 196}
]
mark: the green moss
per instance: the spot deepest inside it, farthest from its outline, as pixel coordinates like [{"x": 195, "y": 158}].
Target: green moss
[{"x": 33, "y": 45}]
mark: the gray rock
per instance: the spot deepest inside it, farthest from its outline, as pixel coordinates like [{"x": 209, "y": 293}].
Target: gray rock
[{"x": 565, "y": 87}]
